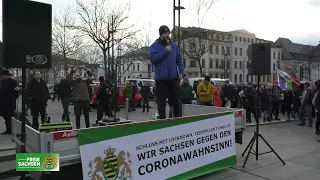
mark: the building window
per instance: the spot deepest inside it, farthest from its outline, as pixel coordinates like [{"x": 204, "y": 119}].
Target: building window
[
  {"x": 222, "y": 50},
  {"x": 240, "y": 52},
  {"x": 274, "y": 66},
  {"x": 228, "y": 64},
  {"x": 251, "y": 41},
  {"x": 211, "y": 49},
  {"x": 203, "y": 63},
  {"x": 217, "y": 75},
  {"x": 240, "y": 39},
  {"x": 244, "y": 40},
  {"x": 274, "y": 55},
  {"x": 235, "y": 78},
  {"x": 138, "y": 67},
  {"x": 236, "y": 64},
  {"x": 217, "y": 63},
  {"x": 235, "y": 51},
  {"x": 268, "y": 78},
  {"x": 217, "y": 49},
  {"x": 227, "y": 75},
  {"x": 133, "y": 67},
  {"x": 228, "y": 50},
  {"x": 279, "y": 55},
  {"x": 247, "y": 78},
  {"x": 240, "y": 78},
  {"x": 222, "y": 64},
  {"x": 211, "y": 63},
  {"x": 274, "y": 77},
  {"x": 240, "y": 65},
  {"x": 193, "y": 63},
  {"x": 248, "y": 40},
  {"x": 236, "y": 38},
  {"x": 221, "y": 77},
  {"x": 203, "y": 48}
]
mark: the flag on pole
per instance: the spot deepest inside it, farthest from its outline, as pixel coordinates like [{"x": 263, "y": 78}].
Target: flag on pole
[{"x": 285, "y": 80}]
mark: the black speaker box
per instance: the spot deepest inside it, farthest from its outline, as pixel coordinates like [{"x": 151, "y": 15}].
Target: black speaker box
[
  {"x": 259, "y": 58},
  {"x": 27, "y": 34}
]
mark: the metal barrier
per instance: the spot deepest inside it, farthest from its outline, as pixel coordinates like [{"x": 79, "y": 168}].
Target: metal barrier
[{"x": 127, "y": 109}]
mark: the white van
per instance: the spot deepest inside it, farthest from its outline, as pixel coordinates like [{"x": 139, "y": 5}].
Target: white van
[{"x": 138, "y": 82}]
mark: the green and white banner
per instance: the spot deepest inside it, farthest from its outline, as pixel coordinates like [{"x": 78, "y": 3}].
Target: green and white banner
[
  {"x": 37, "y": 162},
  {"x": 182, "y": 148}
]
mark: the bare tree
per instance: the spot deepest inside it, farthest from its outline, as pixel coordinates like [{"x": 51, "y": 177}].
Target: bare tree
[
  {"x": 103, "y": 22},
  {"x": 65, "y": 41},
  {"x": 196, "y": 41},
  {"x": 57, "y": 65},
  {"x": 139, "y": 45},
  {"x": 92, "y": 55}
]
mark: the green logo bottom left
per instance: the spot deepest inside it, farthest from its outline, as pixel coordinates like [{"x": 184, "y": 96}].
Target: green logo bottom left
[{"x": 37, "y": 162}]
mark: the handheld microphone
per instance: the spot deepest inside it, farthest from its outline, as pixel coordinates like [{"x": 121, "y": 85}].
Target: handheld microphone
[{"x": 168, "y": 41}]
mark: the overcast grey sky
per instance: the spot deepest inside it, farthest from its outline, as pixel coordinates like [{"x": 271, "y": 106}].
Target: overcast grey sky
[{"x": 268, "y": 19}]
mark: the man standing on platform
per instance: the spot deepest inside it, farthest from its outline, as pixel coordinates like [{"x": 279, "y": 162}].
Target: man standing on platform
[{"x": 166, "y": 58}]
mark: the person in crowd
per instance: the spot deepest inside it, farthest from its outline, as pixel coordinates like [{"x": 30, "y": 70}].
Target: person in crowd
[
  {"x": 266, "y": 102},
  {"x": 195, "y": 86},
  {"x": 205, "y": 92},
  {"x": 56, "y": 92},
  {"x": 81, "y": 100},
  {"x": 314, "y": 87},
  {"x": 169, "y": 70},
  {"x": 249, "y": 102},
  {"x": 316, "y": 104},
  {"x": 127, "y": 91},
  {"x": 65, "y": 93},
  {"x": 217, "y": 101},
  {"x": 287, "y": 102},
  {"x": 145, "y": 92},
  {"x": 134, "y": 91},
  {"x": 228, "y": 93},
  {"x": 9, "y": 92},
  {"x": 277, "y": 97},
  {"x": 306, "y": 105},
  {"x": 115, "y": 98},
  {"x": 38, "y": 93},
  {"x": 296, "y": 102},
  {"x": 104, "y": 96},
  {"x": 186, "y": 92},
  {"x": 89, "y": 81}
]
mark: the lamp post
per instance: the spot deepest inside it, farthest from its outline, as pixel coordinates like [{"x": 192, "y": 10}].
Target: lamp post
[{"x": 178, "y": 8}]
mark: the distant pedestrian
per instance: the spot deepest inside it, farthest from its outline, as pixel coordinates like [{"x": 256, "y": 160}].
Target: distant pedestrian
[
  {"x": 306, "y": 105},
  {"x": 127, "y": 91},
  {"x": 81, "y": 100},
  {"x": 9, "y": 92},
  {"x": 56, "y": 92},
  {"x": 65, "y": 93},
  {"x": 145, "y": 92},
  {"x": 217, "y": 101},
  {"x": 205, "y": 92},
  {"x": 166, "y": 58},
  {"x": 39, "y": 95},
  {"x": 186, "y": 92}
]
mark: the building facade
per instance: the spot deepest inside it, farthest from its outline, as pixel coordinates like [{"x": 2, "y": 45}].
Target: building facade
[
  {"x": 300, "y": 60},
  {"x": 229, "y": 48}
]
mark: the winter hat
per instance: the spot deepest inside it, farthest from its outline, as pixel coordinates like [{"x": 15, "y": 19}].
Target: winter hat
[
  {"x": 163, "y": 29},
  {"x": 207, "y": 78}
]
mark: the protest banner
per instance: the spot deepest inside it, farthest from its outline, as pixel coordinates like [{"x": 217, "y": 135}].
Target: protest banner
[{"x": 181, "y": 148}]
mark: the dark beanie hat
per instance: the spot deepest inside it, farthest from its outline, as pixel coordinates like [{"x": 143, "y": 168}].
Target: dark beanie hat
[
  {"x": 207, "y": 78},
  {"x": 163, "y": 29},
  {"x": 101, "y": 78}
]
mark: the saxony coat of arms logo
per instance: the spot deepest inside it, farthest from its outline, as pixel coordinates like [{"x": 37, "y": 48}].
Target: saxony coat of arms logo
[{"x": 112, "y": 166}]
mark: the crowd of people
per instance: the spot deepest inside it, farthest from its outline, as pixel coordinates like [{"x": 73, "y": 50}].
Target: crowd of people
[{"x": 302, "y": 102}]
